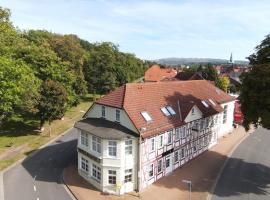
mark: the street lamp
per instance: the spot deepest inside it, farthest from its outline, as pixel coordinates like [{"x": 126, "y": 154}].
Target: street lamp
[{"x": 188, "y": 182}]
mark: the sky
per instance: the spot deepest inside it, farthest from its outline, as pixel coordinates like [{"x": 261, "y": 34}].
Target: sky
[{"x": 153, "y": 29}]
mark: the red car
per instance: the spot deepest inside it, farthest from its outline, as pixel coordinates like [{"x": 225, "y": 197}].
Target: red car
[{"x": 237, "y": 115}]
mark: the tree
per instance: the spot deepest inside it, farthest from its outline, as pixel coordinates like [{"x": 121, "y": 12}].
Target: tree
[
  {"x": 210, "y": 73},
  {"x": 255, "y": 90},
  {"x": 18, "y": 87},
  {"x": 222, "y": 82},
  {"x": 53, "y": 102}
]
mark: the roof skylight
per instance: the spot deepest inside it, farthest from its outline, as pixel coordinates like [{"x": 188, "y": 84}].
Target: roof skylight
[
  {"x": 146, "y": 116},
  {"x": 170, "y": 109},
  {"x": 212, "y": 102},
  {"x": 165, "y": 111},
  {"x": 205, "y": 104}
]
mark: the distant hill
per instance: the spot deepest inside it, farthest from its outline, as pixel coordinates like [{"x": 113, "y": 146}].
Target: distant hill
[{"x": 189, "y": 61}]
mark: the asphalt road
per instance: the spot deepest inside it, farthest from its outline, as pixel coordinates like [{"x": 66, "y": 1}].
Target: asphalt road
[
  {"x": 39, "y": 177},
  {"x": 247, "y": 173}
]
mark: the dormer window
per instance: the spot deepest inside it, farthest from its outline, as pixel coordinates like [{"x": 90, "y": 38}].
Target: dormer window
[
  {"x": 103, "y": 112},
  {"x": 146, "y": 116},
  {"x": 117, "y": 115}
]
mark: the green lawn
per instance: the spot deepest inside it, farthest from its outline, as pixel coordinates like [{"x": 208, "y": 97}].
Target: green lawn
[{"x": 17, "y": 133}]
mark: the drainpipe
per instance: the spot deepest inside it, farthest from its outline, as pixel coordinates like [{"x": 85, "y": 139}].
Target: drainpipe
[{"x": 139, "y": 164}]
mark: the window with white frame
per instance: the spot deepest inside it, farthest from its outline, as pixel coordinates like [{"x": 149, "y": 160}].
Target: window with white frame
[
  {"x": 207, "y": 122},
  {"x": 128, "y": 175},
  {"x": 117, "y": 115},
  {"x": 183, "y": 132},
  {"x": 194, "y": 147},
  {"x": 151, "y": 170},
  {"x": 216, "y": 119},
  {"x": 96, "y": 172},
  {"x": 169, "y": 137},
  {"x": 128, "y": 147},
  {"x": 112, "y": 177},
  {"x": 152, "y": 144},
  {"x": 167, "y": 163},
  {"x": 182, "y": 153},
  {"x": 205, "y": 140},
  {"x": 96, "y": 144},
  {"x": 159, "y": 168},
  {"x": 84, "y": 164},
  {"x": 160, "y": 144},
  {"x": 176, "y": 156},
  {"x": 103, "y": 112},
  {"x": 177, "y": 134},
  {"x": 84, "y": 138},
  {"x": 225, "y": 114},
  {"x": 202, "y": 124},
  {"x": 200, "y": 142},
  {"x": 112, "y": 146}
]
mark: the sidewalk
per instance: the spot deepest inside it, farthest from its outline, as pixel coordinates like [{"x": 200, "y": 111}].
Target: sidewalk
[{"x": 202, "y": 171}]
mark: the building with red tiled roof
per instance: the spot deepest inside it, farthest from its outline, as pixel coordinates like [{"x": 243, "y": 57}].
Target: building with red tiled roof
[
  {"x": 140, "y": 132},
  {"x": 156, "y": 73}
]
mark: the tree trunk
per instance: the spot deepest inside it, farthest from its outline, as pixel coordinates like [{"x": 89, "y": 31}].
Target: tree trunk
[
  {"x": 94, "y": 96},
  {"x": 50, "y": 129},
  {"x": 42, "y": 122}
]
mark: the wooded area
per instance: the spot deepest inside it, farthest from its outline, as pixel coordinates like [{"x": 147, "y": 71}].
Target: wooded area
[{"x": 43, "y": 73}]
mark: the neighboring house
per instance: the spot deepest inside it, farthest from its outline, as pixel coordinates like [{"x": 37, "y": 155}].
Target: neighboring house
[
  {"x": 141, "y": 132},
  {"x": 156, "y": 73},
  {"x": 185, "y": 76}
]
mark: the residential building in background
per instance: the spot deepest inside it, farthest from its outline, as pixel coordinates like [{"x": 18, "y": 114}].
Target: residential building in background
[
  {"x": 141, "y": 132},
  {"x": 156, "y": 73}
]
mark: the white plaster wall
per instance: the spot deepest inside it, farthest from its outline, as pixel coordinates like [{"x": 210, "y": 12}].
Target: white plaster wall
[
  {"x": 89, "y": 148},
  {"x": 196, "y": 115},
  {"x": 95, "y": 112},
  {"x": 87, "y": 176},
  {"x": 228, "y": 126},
  {"x": 119, "y": 163}
]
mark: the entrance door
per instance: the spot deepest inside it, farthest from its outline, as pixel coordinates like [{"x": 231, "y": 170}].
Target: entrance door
[{"x": 168, "y": 164}]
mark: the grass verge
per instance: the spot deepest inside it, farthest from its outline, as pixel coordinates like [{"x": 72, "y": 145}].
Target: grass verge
[{"x": 19, "y": 138}]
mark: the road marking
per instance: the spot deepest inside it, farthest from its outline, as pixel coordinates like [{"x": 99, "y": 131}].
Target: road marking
[
  {"x": 35, "y": 189},
  {"x": 37, "y": 198},
  {"x": 35, "y": 177}
]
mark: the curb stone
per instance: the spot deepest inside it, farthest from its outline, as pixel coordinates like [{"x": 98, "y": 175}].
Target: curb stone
[{"x": 69, "y": 191}]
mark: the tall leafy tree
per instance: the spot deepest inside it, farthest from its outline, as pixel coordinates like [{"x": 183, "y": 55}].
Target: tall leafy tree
[
  {"x": 37, "y": 56},
  {"x": 18, "y": 87},
  {"x": 255, "y": 90},
  {"x": 53, "y": 102}
]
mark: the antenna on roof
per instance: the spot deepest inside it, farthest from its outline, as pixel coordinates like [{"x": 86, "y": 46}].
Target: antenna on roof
[{"x": 179, "y": 110}]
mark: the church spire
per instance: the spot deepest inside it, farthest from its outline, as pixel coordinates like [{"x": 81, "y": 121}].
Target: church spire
[{"x": 231, "y": 59}]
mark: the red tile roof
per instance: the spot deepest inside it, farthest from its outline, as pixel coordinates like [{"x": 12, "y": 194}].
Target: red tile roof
[
  {"x": 155, "y": 73},
  {"x": 137, "y": 97}
]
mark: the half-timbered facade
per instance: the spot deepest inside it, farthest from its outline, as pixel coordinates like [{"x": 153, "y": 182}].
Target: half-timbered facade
[{"x": 141, "y": 132}]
